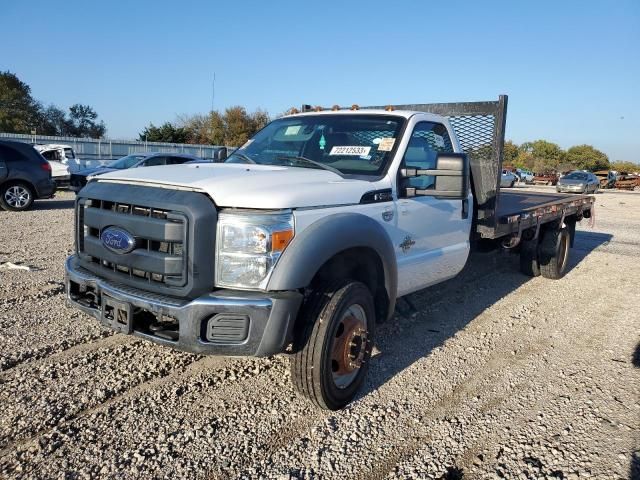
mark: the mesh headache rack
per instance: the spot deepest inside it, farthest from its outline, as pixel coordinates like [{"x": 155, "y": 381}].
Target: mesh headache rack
[{"x": 479, "y": 127}]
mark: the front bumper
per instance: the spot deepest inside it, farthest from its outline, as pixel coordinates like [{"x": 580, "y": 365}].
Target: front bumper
[
  {"x": 570, "y": 189},
  {"x": 46, "y": 188},
  {"x": 268, "y": 317}
]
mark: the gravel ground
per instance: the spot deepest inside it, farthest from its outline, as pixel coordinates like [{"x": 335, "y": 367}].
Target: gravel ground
[{"x": 496, "y": 376}]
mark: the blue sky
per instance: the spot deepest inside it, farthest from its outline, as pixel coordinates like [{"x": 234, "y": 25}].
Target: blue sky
[{"x": 571, "y": 68}]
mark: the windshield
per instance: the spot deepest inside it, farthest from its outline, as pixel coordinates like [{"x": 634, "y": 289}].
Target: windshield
[
  {"x": 68, "y": 153},
  {"x": 355, "y": 144},
  {"x": 126, "y": 162},
  {"x": 576, "y": 176}
]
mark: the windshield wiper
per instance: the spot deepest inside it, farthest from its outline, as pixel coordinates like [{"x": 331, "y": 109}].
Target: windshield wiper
[
  {"x": 311, "y": 162},
  {"x": 243, "y": 156}
]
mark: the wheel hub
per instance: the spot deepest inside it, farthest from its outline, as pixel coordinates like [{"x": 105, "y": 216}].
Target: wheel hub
[
  {"x": 17, "y": 196},
  {"x": 349, "y": 346}
]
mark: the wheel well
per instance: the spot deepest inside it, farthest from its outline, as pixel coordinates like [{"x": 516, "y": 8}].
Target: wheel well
[
  {"x": 14, "y": 181},
  {"x": 363, "y": 265}
]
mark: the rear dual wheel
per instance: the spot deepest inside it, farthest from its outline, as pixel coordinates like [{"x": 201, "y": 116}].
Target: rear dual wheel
[
  {"x": 553, "y": 252},
  {"x": 529, "y": 258},
  {"x": 334, "y": 343},
  {"x": 548, "y": 257}
]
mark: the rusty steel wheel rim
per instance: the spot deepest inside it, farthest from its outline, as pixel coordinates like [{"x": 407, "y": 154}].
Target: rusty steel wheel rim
[{"x": 349, "y": 346}]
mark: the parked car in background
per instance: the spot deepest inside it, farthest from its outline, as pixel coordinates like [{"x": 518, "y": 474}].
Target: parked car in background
[
  {"x": 25, "y": 176},
  {"x": 524, "y": 175},
  {"x": 578, "y": 182},
  {"x": 508, "y": 179},
  {"x": 545, "y": 179},
  {"x": 59, "y": 157},
  {"x": 607, "y": 178},
  {"x": 149, "y": 159},
  {"x": 628, "y": 182}
]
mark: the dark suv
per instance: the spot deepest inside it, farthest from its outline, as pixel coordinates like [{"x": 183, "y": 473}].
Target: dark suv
[{"x": 24, "y": 176}]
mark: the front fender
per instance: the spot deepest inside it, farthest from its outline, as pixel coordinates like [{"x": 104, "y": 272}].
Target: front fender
[{"x": 324, "y": 239}]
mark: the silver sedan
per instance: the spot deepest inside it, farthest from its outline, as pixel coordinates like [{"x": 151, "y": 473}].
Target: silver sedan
[{"x": 578, "y": 182}]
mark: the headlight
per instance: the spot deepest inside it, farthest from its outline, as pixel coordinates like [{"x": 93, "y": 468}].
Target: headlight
[{"x": 248, "y": 245}]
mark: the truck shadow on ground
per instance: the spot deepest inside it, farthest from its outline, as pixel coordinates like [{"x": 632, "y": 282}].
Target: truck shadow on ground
[{"x": 426, "y": 319}]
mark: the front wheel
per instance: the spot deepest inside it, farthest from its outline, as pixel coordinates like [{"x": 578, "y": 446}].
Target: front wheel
[
  {"x": 333, "y": 345},
  {"x": 16, "y": 197}
]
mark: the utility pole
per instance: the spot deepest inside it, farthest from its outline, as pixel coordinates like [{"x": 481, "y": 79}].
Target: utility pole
[{"x": 213, "y": 91}]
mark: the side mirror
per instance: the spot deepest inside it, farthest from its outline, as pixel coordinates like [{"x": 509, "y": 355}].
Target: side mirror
[
  {"x": 220, "y": 155},
  {"x": 451, "y": 177}
]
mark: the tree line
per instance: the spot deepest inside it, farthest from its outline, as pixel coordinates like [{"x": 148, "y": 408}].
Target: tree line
[
  {"x": 541, "y": 156},
  {"x": 21, "y": 113},
  {"x": 233, "y": 127}
]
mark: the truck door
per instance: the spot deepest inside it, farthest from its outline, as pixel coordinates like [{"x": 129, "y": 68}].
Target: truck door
[{"x": 431, "y": 237}]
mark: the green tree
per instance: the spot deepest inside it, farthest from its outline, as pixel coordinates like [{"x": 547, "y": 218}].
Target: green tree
[
  {"x": 239, "y": 126},
  {"x": 624, "y": 166},
  {"x": 526, "y": 160},
  {"x": 167, "y": 132},
  {"x": 260, "y": 118},
  {"x": 510, "y": 154},
  {"x": 53, "y": 121},
  {"x": 585, "y": 157},
  {"x": 19, "y": 112},
  {"x": 197, "y": 128},
  {"x": 218, "y": 128},
  {"x": 83, "y": 122},
  {"x": 548, "y": 155}
]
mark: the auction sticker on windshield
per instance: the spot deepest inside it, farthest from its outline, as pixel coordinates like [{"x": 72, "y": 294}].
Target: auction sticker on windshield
[
  {"x": 386, "y": 144},
  {"x": 350, "y": 150}
]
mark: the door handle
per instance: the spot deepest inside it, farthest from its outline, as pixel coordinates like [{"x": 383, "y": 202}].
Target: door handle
[{"x": 465, "y": 208}]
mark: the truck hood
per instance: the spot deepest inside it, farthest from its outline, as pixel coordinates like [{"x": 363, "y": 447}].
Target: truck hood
[{"x": 252, "y": 186}]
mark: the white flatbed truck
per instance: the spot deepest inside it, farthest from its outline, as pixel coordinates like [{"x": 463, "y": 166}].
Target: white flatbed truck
[{"x": 305, "y": 238}]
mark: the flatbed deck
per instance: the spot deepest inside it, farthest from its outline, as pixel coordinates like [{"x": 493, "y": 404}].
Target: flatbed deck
[{"x": 519, "y": 210}]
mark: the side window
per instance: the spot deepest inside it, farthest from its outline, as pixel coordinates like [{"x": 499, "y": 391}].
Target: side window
[
  {"x": 68, "y": 153},
  {"x": 8, "y": 154},
  {"x": 51, "y": 155},
  {"x": 155, "y": 161},
  {"x": 177, "y": 160},
  {"x": 427, "y": 140}
]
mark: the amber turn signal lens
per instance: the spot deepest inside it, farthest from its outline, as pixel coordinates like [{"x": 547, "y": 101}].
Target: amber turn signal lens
[{"x": 280, "y": 240}]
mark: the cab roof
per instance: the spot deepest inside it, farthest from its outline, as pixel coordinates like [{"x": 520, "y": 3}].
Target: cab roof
[{"x": 365, "y": 111}]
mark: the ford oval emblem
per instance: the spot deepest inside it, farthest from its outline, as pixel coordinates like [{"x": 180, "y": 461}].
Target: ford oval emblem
[{"x": 118, "y": 240}]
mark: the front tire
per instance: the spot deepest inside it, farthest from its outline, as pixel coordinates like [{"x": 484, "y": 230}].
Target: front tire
[
  {"x": 16, "y": 197},
  {"x": 553, "y": 254},
  {"x": 333, "y": 345}
]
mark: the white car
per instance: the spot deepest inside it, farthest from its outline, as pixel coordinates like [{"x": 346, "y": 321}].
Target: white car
[
  {"x": 525, "y": 176},
  {"x": 59, "y": 157},
  {"x": 508, "y": 179}
]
